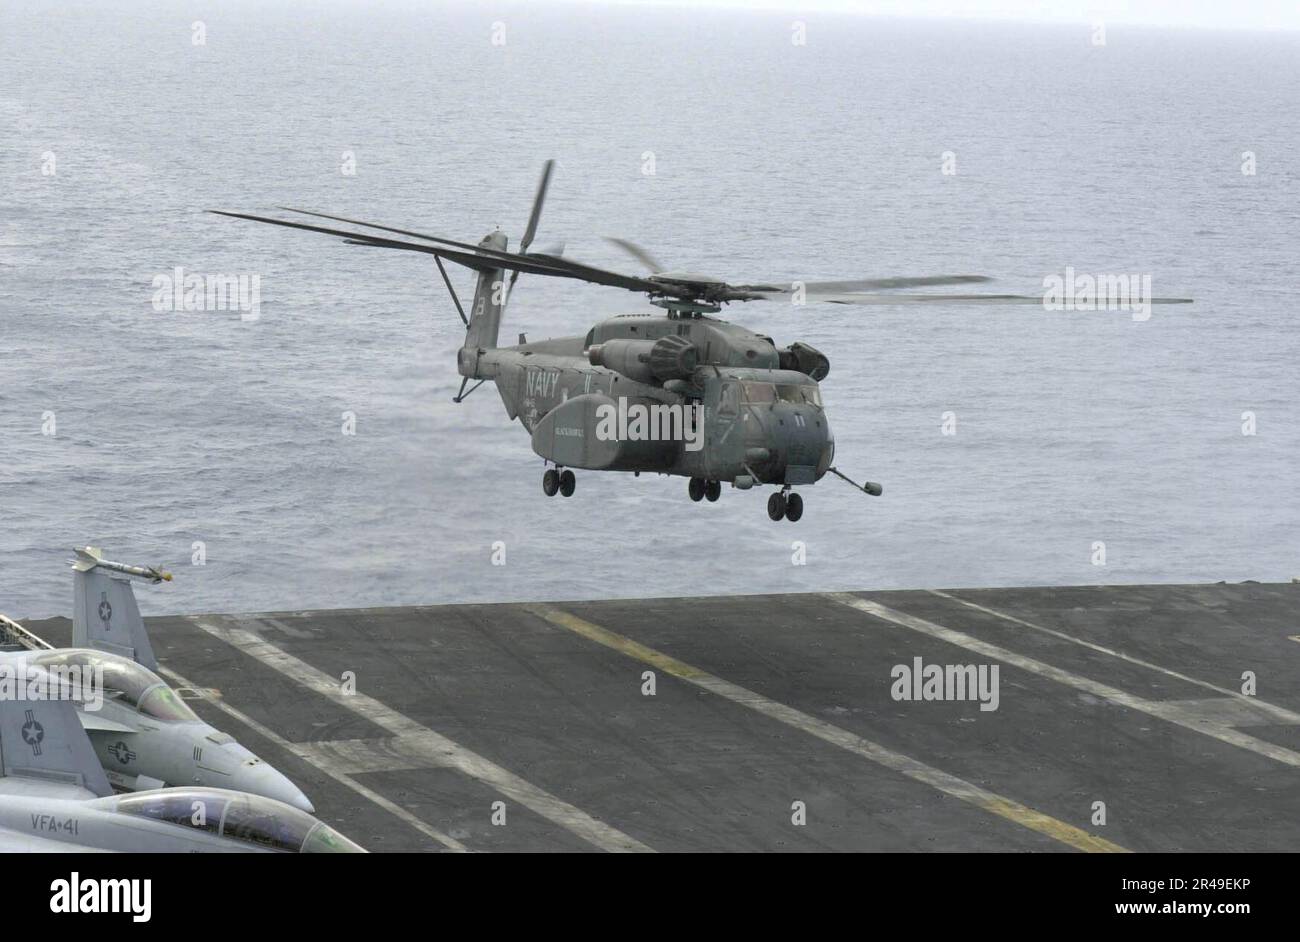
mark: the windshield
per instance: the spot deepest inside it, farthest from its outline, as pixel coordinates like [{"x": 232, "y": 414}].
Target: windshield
[
  {"x": 325, "y": 840},
  {"x": 807, "y": 394},
  {"x": 257, "y": 821},
  {"x": 799, "y": 393},
  {"x": 277, "y": 826},
  {"x": 164, "y": 703}
]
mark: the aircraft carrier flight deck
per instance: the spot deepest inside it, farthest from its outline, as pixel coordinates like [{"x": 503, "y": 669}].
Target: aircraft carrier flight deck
[{"x": 1128, "y": 718}]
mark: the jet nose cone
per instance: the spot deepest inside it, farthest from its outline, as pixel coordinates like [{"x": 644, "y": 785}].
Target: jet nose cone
[
  {"x": 289, "y": 793},
  {"x": 299, "y": 801},
  {"x": 261, "y": 779}
]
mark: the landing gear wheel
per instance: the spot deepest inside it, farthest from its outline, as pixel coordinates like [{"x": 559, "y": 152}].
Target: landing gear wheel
[
  {"x": 696, "y": 489},
  {"x": 793, "y": 507},
  {"x": 567, "y": 483},
  {"x": 550, "y": 482},
  {"x": 776, "y": 506},
  {"x": 713, "y": 490}
]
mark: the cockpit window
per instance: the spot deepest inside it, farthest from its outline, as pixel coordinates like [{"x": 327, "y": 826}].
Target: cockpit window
[
  {"x": 125, "y": 681},
  {"x": 164, "y": 703},
  {"x": 807, "y": 394},
  {"x": 759, "y": 392},
  {"x": 252, "y": 819},
  {"x": 273, "y": 826},
  {"x": 199, "y": 810},
  {"x": 729, "y": 398}
]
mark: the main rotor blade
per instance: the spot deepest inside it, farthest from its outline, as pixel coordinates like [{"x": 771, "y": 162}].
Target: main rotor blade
[
  {"x": 359, "y": 237},
  {"x": 884, "y": 299},
  {"x": 555, "y": 261},
  {"x": 483, "y": 259},
  {"x": 478, "y": 258},
  {"x": 867, "y": 284},
  {"x": 652, "y": 264},
  {"x": 373, "y": 225},
  {"x": 602, "y": 276}
]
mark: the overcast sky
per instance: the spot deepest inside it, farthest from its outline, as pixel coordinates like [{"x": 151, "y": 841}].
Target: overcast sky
[{"x": 1214, "y": 14}]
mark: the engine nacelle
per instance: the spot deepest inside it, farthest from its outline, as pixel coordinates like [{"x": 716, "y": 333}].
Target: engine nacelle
[
  {"x": 647, "y": 361},
  {"x": 805, "y": 359}
]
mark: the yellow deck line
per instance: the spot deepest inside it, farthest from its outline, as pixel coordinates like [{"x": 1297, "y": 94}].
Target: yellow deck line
[{"x": 912, "y": 768}]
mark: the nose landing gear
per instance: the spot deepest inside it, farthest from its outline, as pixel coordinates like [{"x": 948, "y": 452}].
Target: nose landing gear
[
  {"x": 785, "y": 504},
  {"x": 793, "y": 507}
]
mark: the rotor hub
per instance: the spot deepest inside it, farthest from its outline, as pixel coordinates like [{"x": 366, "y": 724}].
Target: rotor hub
[{"x": 676, "y": 307}]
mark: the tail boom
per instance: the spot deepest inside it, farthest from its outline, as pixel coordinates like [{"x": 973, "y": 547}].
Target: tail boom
[{"x": 485, "y": 313}]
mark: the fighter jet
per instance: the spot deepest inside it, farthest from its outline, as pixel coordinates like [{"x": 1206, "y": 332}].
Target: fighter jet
[
  {"x": 55, "y": 797},
  {"x": 144, "y": 735}
]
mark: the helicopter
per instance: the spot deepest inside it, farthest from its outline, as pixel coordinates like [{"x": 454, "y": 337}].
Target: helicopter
[{"x": 680, "y": 393}]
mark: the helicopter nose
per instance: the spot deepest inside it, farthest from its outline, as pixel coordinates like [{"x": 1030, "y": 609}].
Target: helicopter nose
[
  {"x": 828, "y": 451},
  {"x": 806, "y": 443}
]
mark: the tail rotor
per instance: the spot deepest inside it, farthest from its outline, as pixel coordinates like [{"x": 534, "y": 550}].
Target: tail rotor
[{"x": 533, "y": 219}]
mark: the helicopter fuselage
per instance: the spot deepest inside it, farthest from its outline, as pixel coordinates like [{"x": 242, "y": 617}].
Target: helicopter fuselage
[{"x": 728, "y": 411}]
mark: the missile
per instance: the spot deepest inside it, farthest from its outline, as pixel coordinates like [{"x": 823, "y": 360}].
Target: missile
[{"x": 90, "y": 557}]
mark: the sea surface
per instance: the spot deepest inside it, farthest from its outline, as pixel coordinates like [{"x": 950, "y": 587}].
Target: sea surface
[{"x": 771, "y": 160}]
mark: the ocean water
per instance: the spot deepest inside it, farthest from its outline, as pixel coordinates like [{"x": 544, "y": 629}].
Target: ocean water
[{"x": 772, "y": 160}]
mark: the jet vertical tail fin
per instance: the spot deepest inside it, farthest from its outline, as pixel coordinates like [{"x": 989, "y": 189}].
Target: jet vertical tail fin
[
  {"x": 44, "y": 739},
  {"x": 105, "y": 616}
]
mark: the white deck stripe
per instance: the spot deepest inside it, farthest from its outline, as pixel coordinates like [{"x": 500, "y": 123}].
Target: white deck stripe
[
  {"x": 319, "y": 762},
  {"x": 453, "y": 755},
  {"x": 1165, "y": 710},
  {"x": 796, "y": 719},
  {"x": 1281, "y": 714}
]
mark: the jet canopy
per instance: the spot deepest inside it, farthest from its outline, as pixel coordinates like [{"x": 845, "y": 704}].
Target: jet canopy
[
  {"x": 124, "y": 681},
  {"x": 238, "y": 816}
]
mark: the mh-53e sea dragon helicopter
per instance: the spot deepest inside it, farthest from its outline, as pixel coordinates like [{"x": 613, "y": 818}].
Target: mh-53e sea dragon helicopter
[{"x": 685, "y": 394}]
